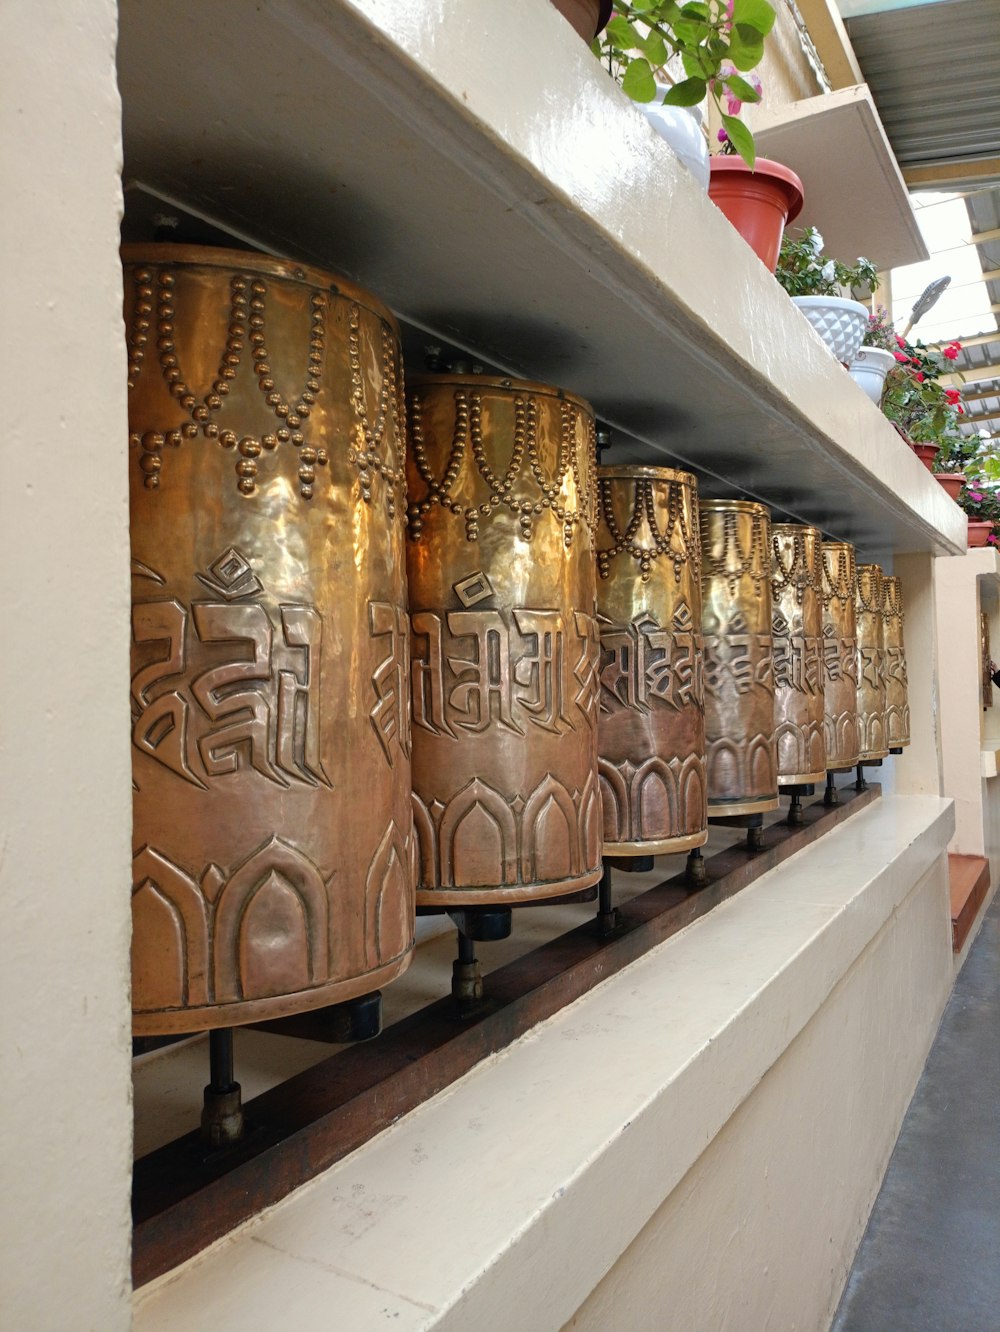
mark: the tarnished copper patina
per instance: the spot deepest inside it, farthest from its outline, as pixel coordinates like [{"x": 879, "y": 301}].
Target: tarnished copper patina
[
  {"x": 840, "y": 655},
  {"x": 274, "y": 855},
  {"x": 797, "y": 623},
  {"x": 871, "y": 663},
  {"x": 502, "y": 490},
  {"x": 739, "y": 671},
  {"x": 651, "y": 732},
  {"x": 897, "y": 703}
]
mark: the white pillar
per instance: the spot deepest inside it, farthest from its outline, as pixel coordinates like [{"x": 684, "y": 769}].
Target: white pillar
[{"x": 65, "y": 802}]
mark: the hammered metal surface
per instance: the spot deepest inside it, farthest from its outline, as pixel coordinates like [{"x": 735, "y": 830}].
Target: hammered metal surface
[
  {"x": 269, "y": 640},
  {"x": 840, "y": 655},
  {"x": 869, "y": 603},
  {"x": 502, "y": 491},
  {"x": 739, "y": 672},
  {"x": 797, "y": 622},
  {"x": 651, "y": 730},
  {"x": 897, "y": 704}
]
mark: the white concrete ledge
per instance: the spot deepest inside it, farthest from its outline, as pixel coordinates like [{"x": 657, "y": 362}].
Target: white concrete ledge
[{"x": 514, "y": 1191}]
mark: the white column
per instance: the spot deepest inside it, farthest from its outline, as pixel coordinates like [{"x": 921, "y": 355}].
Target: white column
[{"x": 65, "y": 803}]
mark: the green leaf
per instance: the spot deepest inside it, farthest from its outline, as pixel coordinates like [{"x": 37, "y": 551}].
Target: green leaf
[
  {"x": 696, "y": 11},
  {"x": 746, "y": 48},
  {"x": 621, "y": 33},
  {"x": 688, "y": 93},
  {"x": 639, "y": 82},
  {"x": 756, "y": 14},
  {"x": 746, "y": 92},
  {"x": 656, "y": 49},
  {"x": 741, "y": 139},
  {"x": 692, "y": 68}
]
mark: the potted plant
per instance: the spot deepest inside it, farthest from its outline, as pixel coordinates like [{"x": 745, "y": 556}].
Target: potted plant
[
  {"x": 715, "y": 43},
  {"x": 983, "y": 509},
  {"x": 815, "y": 284},
  {"x": 924, "y": 411},
  {"x": 876, "y": 356},
  {"x": 586, "y": 17}
]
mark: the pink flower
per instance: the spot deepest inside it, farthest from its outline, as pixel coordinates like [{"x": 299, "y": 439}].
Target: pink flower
[
  {"x": 722, "y": 136},
  {"x": 899, "y": 341},
  {"x": 901, "y": 358},
  {"x": 991, "y": 540},
  {"x": 976, "y": 495}
]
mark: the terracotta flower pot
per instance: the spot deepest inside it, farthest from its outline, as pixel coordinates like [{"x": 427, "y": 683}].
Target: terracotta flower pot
[
  {"x": 952, "y": 482},
  {"x": 758, "y": 203},
  {"x": 586, "y": 17},
  {"x": 926, "y": 453},
  {"x": 979, "y": 533}
]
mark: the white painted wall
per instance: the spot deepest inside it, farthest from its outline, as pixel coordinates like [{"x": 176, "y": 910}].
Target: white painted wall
[
  {"x": 65, "y": 801},
  {"x": 761, "y": 1233}
]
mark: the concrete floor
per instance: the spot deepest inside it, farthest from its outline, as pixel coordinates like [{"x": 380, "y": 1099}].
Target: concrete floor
[{"x": 930, "y": 1258}]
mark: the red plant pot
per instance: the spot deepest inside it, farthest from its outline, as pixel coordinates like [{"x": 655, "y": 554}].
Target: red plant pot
[
  {"x": 951, "y": 481},
  {"x": 758, "y": 203},
  {"x": 979, "y": 533},
  {"x": 926, "y": 453},
  {"x": 587, "y": 17}
]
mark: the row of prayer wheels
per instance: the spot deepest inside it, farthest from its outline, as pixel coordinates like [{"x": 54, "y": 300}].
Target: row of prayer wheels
[{"x": 451, "y": 672}]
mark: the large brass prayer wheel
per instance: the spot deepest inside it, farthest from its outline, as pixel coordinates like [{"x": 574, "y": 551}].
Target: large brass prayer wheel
[
  {"x": 840, "y": 655},
  {"x": 274, "y": 854},
  {"x": 869, "y": 605},
  {"x": 502, "y": 490},
  {"x": 651, "y": 730},
  {"x": 739, "y": 671},
  {"x": 897, "y": 705},
  {"x": 797, "y": 623}
]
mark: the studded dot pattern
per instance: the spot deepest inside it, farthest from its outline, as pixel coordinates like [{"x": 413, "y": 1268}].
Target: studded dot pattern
[{"x": 679, "y": 543}]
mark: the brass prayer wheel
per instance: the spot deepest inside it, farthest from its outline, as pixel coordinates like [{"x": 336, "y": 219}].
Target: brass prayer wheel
[
  {"x": 502, "y": 491},
  {"x": 739, "y": 670},
  {"x": 274, "y": 851},
  {"x": 651, "y": 729},
  {"x": 797, "y": 624},
  {"x": 897, "y": 706},
  {"x": 840, "y": 655},
  {"x": 871, "y": 663}
]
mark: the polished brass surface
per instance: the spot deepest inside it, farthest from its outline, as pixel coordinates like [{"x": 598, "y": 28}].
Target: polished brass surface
[
  {"x": 840, "y": 655},
  {"x": 897, "y": 704},
  {"x": 739, "y": 669},
  {"x": 502, "y": 490},
  {"x": 274, "y": 850},
  {"x": 869, "y": 605},
  {"x": 797, "y": 624},
  {"x": 651, "y": 730}
]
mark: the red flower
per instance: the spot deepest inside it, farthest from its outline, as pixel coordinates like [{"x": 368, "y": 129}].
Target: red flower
[
  {"x": 953, "y": 395},
  {"x": 952, "y": 350},
  {"x": 961, "y": 410},
  {"x": 919, "y": 376},
  {"x": 900, "y": 357},
  {"x": 899, "y": 341}
]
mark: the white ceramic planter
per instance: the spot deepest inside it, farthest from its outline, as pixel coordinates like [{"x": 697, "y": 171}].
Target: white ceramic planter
[
  {"x": 869, "y": 369},
  {"x": 839, "y": 322},
  {"x": 681, "y": 127}
]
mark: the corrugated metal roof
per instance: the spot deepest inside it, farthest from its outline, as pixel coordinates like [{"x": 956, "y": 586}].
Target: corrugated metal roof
[{"x": 934, "y": 71}]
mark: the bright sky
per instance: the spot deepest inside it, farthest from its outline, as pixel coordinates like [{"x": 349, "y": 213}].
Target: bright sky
[{"x": 964, "y": 308}]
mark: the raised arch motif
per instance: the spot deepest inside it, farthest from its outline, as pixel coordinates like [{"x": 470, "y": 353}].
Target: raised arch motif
[
  {"x": 548, "y": 796},
  {"x": 649, "y": 814},
  {"x": 497, "y": 814},
  {"x": 290, "y": 922},
  {"x": 425, "y": 845},
  {"x": 614, "y": 801},
  {"x": 762, "y": 763},
  {"x": 589, "y": 823},
  {"x": 388, "y": 899},
  {"x": 169, "y": 936},
  {"x": 692, "y": 795}
]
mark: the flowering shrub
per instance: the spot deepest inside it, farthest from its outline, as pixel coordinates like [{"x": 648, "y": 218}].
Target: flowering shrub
[
  {"x": 718, "y": 41},
  {"x": 982, "y": 505},
  {"x": 803, "y": 269},
  {"x": 924, "y": 409},
  {"x": 880, "y": 332}
]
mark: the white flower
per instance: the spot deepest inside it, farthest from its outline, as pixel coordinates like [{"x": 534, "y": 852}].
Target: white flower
[
  {"x": 984, "y": 433},
  {"x": 829, "y": 271},
  {"x": 816, "y": 241}
]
